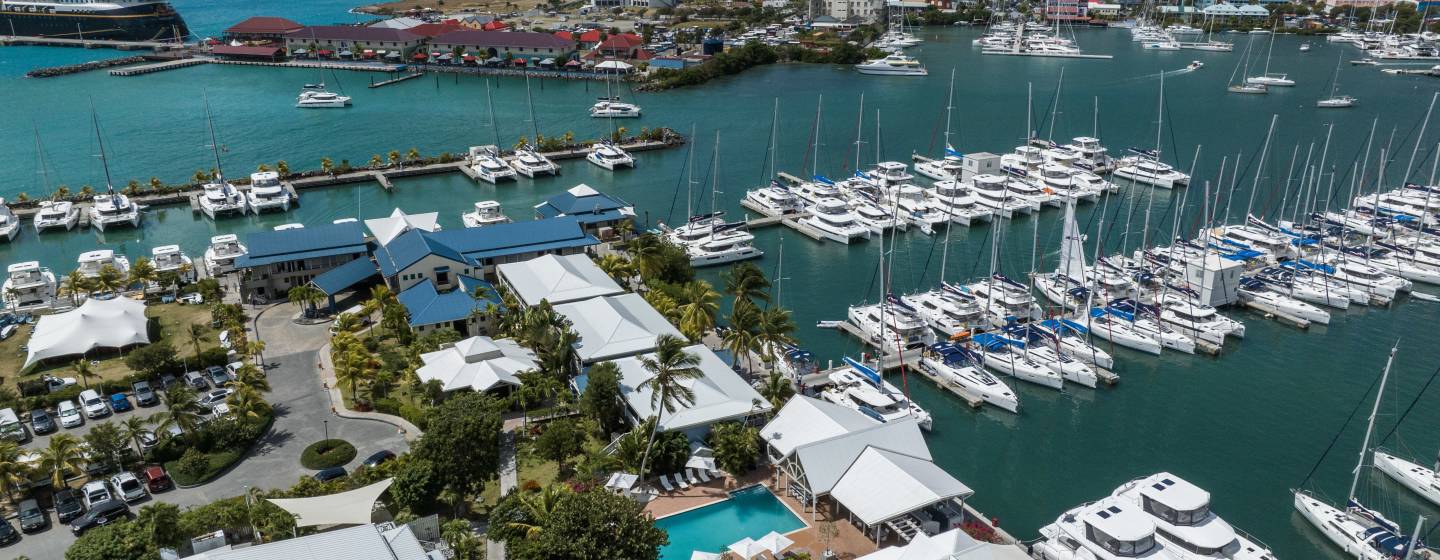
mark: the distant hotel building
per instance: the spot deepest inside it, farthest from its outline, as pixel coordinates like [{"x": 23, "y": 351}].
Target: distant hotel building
[{"x": 1067, "y": 10}]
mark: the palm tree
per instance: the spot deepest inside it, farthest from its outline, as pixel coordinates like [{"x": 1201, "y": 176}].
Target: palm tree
[
  {"x": 196, "y": 334},
  {"x": 619, "y": 268},
  {"x": 393, "y": 157},
  {"x": 133, "y": 427},
  {"x": 698, "y": 305},
  {"x": 746, "y": 281},
  {"x": 143, "y": 271},
  {"x": 539, "y": 506},
  {"x": 376, "y": 161},
  {"x": 14, "y": 472},
  {"x": 742, "y": 337},
  {"x": 155, "y": 184},
  {"x": 306, "y": 295},
  {"x": 670, "y": 367},
  {"x": 647, "y": 252},
  {"x": 76, "y": 284},
  {"x": 262, "y": 168},
  {"x": 282, "y": 168},
  {"x": 664, "y": 304},
  {"x": 246, "y": 400},
  {"x": 257, "y": 351},
  {"x": 775, "y": 330},
  {"x": 110, "y": 279},
  {"x": 354, "y": 366},
  {"x": 412, "y": 155},
  {"x": 347, "y": 322},
  {"x": 252, "y": 375},
  {"x": 64, "y": 455},
  {"x": 82, "y": 369},
  {"x": 777, "y": 389},
  {"x": 327, "y": 166},
  {"x": 182, "y": 411}
]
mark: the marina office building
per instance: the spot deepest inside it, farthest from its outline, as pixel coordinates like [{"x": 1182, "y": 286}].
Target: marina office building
[
  {"x": 284, "y": 259},
  {"x": 338, "y": 38},
  {"x": 500, "y": 44}
]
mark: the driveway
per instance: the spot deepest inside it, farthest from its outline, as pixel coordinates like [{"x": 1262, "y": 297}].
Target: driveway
[{"x": 302, "y": 416}]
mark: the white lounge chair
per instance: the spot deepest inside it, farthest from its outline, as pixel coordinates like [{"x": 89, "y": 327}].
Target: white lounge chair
[
  {"x": 680, "y": 481},
  {"x": 665, "y": 483},
  {"x": 700, "y": 473},
  {"x": 690, "y": 476}
]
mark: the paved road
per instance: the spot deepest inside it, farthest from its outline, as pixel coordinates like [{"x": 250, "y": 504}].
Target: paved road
[{"x": 302, "y": 416}]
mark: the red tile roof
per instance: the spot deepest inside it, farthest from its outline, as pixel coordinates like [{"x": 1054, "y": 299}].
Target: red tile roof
[
  {"x": 495, "y": 25},
  {"x": 263, "y": 24},
  {"x": 352, "y": 33},
  {"x": 229, "y": 50},
  {"x": 591, "y": 36},
  {"x": 566, "y": 35}
]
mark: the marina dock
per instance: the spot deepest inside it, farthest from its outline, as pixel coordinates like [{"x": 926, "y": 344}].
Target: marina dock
[
  {"x": 159, "y": 66},
  {"x": 7, "y": 40},
  {"x": 313, "y": 64},
  {"x": 409, "y": 76},
  {"x": 1049, "y": 55}
]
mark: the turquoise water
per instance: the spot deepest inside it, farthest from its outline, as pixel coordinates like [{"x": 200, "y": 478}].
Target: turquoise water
[
  {"x": 1247, "y": 426},
  {"x": 750, "y": 512}
]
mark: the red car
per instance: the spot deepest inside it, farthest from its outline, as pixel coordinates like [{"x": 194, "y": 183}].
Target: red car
[{"x": 156, "y": 479}]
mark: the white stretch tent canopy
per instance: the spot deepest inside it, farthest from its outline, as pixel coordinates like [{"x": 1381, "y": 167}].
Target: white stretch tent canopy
[
  {"x": 97, "y": 323},
  {"x": 352, "y": 507}
]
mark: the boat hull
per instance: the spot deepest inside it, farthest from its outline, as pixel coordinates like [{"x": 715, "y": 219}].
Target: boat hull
[{"x": 150, "y": 22}]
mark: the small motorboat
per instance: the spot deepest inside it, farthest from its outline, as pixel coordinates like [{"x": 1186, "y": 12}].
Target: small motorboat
[{"x": 1195, "y": 65}]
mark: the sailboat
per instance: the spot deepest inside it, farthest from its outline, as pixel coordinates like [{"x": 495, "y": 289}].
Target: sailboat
[
  {"x": 1336, "y": 101},
  {"x": 1268, "y": 78},
  {"x": 485, "y": 161},
  {"x": 1245, "y": 86},
  {"x": 220, "y": 198},
  {"x": 610, "y": 106},
  {"x": 528, "y": 159},
  {"x": 1361, "y": 532},
  {"x": 1066, "y": 286}
]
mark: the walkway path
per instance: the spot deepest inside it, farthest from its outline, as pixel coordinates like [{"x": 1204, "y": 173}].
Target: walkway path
[{"x": 509, "y": 479}]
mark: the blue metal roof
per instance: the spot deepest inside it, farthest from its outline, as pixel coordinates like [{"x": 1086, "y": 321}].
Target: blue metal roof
[
  {"x": 469, "y": 244},
  {"x": 427, "y": 306},
  {"x": 568, "y": 204},
  {"x": 344, "y": 276},
  {"x": 266, "y": 247}
]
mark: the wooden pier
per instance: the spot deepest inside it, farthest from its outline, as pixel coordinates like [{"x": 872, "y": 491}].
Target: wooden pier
[
  {"x": 408, "y": 76},
  {"x": 767, "y": 218},
  {"x": 7, "y": 40},
  {"x": 1049, "y": 55},
  {"x": 384, "y": 181},
  {"x": 312, "y": 64},
  {"x": 159, "y": 66},
  {"x": 805, "y": 229}
]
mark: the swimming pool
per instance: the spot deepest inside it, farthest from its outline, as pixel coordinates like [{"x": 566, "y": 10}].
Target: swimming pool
[{"x": 749, "y": 512}]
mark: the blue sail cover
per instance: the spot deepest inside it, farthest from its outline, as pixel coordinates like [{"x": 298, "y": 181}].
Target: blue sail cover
[
  {"x": 865, "y": 371},
  {"x": 824, "y": 180},
  {"x": 897, "y": 302},
  {"x": 950, "y": 151},
  {"x": 1316, "y": 266},
  {"x": 993, "y": 342},
  {"x": 1003, "y": 279}
]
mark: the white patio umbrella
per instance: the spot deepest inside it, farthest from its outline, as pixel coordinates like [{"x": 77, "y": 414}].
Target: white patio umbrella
[
  {"x": 775, "y": 542},
  {"x": 747, "y": 548},
  {"x": 614, "y": 65},
  {"x": 700, "y": 555},
  {"x": 697, "y": 462}
]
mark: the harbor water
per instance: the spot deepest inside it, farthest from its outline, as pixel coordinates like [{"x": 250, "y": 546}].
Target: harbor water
[{"x": 1247, "y": 425}]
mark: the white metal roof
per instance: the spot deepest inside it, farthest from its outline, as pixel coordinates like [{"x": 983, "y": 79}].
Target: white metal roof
[
  {"x": 720, "y": 394},
  {"x": 950, "y": 545},
  {"x": 881, "y": 485},
  {"x": 479, "y": 362},
  {"x": 558, "y": 279},
  {"x": 615, "y": 326},
  {"x": 387, "y": 229},
  {"x": 825, "y": 462},
  {"x": 363, "y": 542},
  {"x": 804, "y": 420}
]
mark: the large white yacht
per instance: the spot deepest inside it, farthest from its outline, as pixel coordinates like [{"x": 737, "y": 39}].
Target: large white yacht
[
  {"x": 1181, "y": 310},
  {"x": 1110, "y": 529},
  {"x": 723, "y": 245},
  {"x": 613, "y": 108},
  {"x": 962, "y": 368},
  {"x": 112, "y": 210},
  {"x": 1004, "y": 355},
  {"x": 92, "y": 262},
  {"x": 169, "y": 258},
  {"x": 834, "y": 220},
  {"x": 890, "y": 173},
  {"x": 221, "y": 199},
  {"x": 57, "y": 214},
  {"x": 488, "y": 166},
  {"x": 321, "y": 99},
  {"x": 1183, "y": 519},
  {"x": 486, "y": 213},
  {"x": 1418, "y": 478},
  {"x": 949, "y": 310},
  {"x": 610, "y": 156},
  {"x": 913, "y": 206},
  {"x": 942, "y": 169},
  {"x": 9, "y": 224},
  {"x": 892, "y": 325},
  {"x": 993, "y": 192},
  {"x": 28, "y": 284},
  {"x": 774, "y": 200},
  {"x": 1146, "y": 170},
  {"x": 1005, "y": 299},
  {"x": 221, "y": 254},
  {"x": 266, "y": 193},
  {"x": 1094, "y": 157},
  {"x": 953, "y": 199},
  {"x": 862, "y": 389},
  {"x": 894, "y": 64},
  {"x": 530, "y": 162}
]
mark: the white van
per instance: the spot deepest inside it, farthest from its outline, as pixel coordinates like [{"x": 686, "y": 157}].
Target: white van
[
  {"x": 11, "y": 428},
  {"x": 94, "y": 406},
  {"x": 69, "y": 414}
]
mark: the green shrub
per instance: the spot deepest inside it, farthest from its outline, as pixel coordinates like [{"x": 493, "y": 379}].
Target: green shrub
[
  {"x": 327, "y": 453},
  {"x": 216, "y": 356},
  {"x": 192, "y": 465},
  {"x": 414, "y": 414},
  {"x": 387, "y": 406}
]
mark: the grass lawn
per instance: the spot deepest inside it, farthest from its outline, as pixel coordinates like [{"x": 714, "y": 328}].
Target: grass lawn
[
  {"x": 173, "y": 321},
  {"x": 541, "y": 471}
]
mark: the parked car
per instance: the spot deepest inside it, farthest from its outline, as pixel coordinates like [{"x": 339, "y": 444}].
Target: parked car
[
  {"x": 214, "y": 397},
  {"x": 218, "y": 376},
  {"x": 196, "y": 381},
  {"x": 148, "y": 440},
  {"x": 144, "y": 395},
  {"x": 68, "y": 505},
  {"x": 156, "y": 479},
  {"x": 375, "y": 459},
  {"x": 330, "y": 474},
  {"x": 120, "y": 403},
  {"x": 225, "y": 339},
  {"x": 128, "y": 487},
  {"x": 41, "y": 422},
  {"x": 70, "y": 416},
  {"x": 53, "y": 383},
  {"x": 94, "y": 405},
  {"x": 167, "y": 380},
  {"x": 32, "y": 516},
  {"x": 233, "y": 369},
  {"x": 8, "y": 534},
  {"x": 11, "y": 428},
  {"x": 99, "y": 515},
  {"x": 94, "y": 492}
]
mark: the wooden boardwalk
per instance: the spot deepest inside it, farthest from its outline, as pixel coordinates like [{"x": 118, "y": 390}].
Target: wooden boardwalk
[
  {"x": 409, "y": 76},
  {"x": 158, "y": 66},
  {"x": 7, "y": 40}
]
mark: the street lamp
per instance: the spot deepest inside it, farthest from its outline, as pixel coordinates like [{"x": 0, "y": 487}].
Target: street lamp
[{"x": 327, "y": 429}]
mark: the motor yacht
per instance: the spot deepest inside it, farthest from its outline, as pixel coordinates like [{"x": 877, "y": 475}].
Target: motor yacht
[
  {"x": 610, "y": 156},
  {"x": 1094, "y": 157},
  {"x": 993, "y": 192},
  {"x": 1074, "y": 339},
  {"x": 9, "y": 224},
  {"x": 1148, "y": 171},
  {"x": 220, "y": 199},
  {"x": 221, "y": 254},
  {"x": 834, "y": 220},
  {"x": 266, "y": 193},
  {"x": 92, "y": 262},
  {"x": 950, "y": 310},
  {"x": 723, "y": 246},
  {"x": 774, "y": 200},
  {"x": 57, "y": 214},
  {"x": 486, "y": 213},
  {"x": 488, "y": 166},
  {"x": 112, "y": 210},
  {"x": 863, "y": 389},
  {"x": 1184, "y": 520},
  {"x": 613, "y": 108},
  {"x": 892, "y": 325},
  {"x": 321, "y": 99},
  {"x": 1270, "y": 80},
  {"x": 169, "y": 258},
  {"x": 530, "y": 162},
  {"x": 914, "y": 207},
  {"x": 1005, "y": 300},
  {"x": 27, "y": 284},
  {"x": 954, "y": 200},
  {"x": 963, "y": 368},
  {"x": 1258, "y": 295},
  {"x": 895, "y": 64},
  {"x": 1109, "y": 529}
]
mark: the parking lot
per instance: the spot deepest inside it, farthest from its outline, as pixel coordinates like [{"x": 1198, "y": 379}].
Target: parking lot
[{"x": 302, "y": 417}]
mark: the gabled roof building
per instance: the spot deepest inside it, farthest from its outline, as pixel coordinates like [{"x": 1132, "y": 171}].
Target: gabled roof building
[
  {"x": 614, "y": 327},
  {"x": 283, "y": 259},
  {"x": 557, "y": 279},
  {"x": 720, "y": 395},
  {"x": 478, "y": 363}
]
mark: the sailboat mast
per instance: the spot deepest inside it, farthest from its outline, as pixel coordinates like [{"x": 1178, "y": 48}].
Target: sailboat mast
[
  {"x": 1029, "y": 101},
  {"x": 40, "y": 156},
  {"x": 1270, "y": 52},
  {"x": 1055, "y": 104},
  {"x": 495, "y": 127},
  {"x": 1160, "y": 118},
  {"x": 859, "y": 126},
  {"x": 774, "y": 136},
  {"x": 815, "y": 148},
  {"x": 1255, "y": 184},
  {"x": 949, "y": 107},
  {"x": 1375, "y": 410},
  {"x": 714, "y": 179},
  {"x": 104, "y": 162},
  {"x": 214, "y": 144},
  {"x": 1423, "y": 125},
  {"x": 530, "y": 101},
  {"x": 690, "y": 177},
  {"x": 1095, "y": 119}
]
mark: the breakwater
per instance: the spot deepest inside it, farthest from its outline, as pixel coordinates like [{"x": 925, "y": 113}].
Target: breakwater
[{"x": 54, "y": 71}]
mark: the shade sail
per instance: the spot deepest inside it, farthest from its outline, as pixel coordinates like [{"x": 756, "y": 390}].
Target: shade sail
[
  {"x": 97, "y": 323},
  {"x": 346, "y": 508}
]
